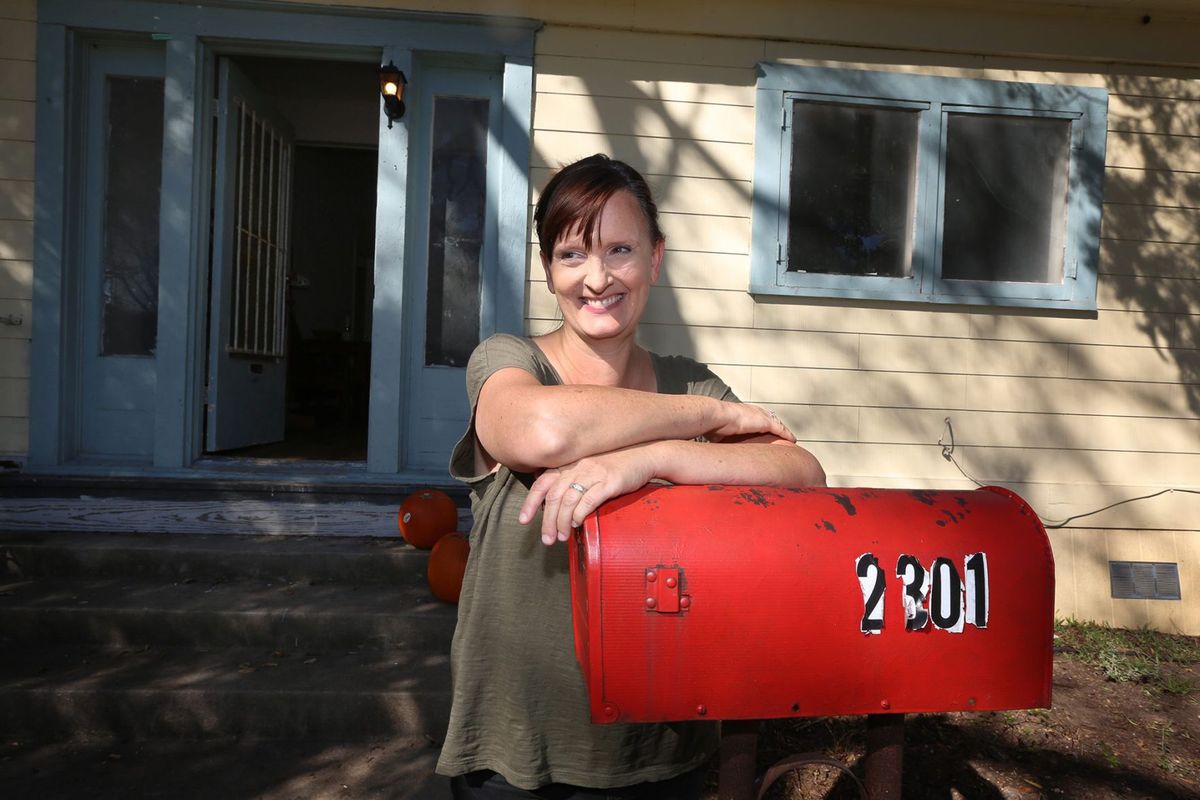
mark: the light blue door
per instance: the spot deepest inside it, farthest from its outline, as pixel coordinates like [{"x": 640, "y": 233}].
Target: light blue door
[
  {"x": 246, "y": 402},
  {"x": 118, "y": 301},
  {"x": 455, "y": 126}
]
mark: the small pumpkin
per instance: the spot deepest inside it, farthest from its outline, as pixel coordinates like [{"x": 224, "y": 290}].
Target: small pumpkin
[
  {"x": 427, "y": 516},
  {"x": 447, "y": 565}
]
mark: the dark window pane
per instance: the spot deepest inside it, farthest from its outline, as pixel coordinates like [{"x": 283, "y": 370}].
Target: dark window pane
[
  {"x": 852, "y": 189},
  {"x": 133, "y": 170},
  {"x": 1005, "y": 198},
  {"x": 458, "y": 195}
]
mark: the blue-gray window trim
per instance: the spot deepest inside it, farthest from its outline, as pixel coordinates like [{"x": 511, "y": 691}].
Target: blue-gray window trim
[
  {"x": 192, "y": 32},
  {"x": 933, "y": 97}
]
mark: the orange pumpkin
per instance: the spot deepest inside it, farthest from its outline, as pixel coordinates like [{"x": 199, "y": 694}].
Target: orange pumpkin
[
  {"x": 447, "y": 565},
  {"x": 427, "y": 516}
]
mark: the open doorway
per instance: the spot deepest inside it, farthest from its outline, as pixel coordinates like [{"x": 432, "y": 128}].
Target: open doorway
[{"x": 312, "y": 258}]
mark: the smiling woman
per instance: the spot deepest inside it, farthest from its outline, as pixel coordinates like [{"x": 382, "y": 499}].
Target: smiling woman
[{"x": 562, "y": 423}]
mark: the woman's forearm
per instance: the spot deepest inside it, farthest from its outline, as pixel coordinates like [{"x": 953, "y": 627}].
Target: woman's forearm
[
  {"x": 778, "y": 463},
  {"x": 528, "y": 426}
]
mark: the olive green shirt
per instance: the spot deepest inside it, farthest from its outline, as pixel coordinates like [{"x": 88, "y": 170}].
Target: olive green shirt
[{"x": 520, "y": 706}]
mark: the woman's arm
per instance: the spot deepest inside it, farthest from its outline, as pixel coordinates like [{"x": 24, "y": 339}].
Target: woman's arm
[
  {"x": 526, "y": 426},
  {"x": 763, "y": 461}
]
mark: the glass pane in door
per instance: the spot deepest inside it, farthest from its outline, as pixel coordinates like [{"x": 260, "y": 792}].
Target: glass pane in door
[{"x": 457, "y": 204}]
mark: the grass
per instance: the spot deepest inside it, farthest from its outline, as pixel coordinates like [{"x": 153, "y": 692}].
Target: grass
[{"x": 1131, "y": 656}]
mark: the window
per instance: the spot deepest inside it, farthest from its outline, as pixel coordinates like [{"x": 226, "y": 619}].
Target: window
[{"x": 891, "y": 186}]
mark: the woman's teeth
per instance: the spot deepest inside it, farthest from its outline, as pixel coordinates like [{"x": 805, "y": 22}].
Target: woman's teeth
[{"x": 604, "y": 302}]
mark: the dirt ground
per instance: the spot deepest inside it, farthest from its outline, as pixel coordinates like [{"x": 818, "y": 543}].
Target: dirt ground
[{"x": 1125, "y": 723}]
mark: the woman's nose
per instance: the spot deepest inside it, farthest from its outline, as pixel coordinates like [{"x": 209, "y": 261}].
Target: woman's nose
[{"x": 596, "y": 279}]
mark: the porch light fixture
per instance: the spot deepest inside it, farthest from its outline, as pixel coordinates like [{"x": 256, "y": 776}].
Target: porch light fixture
[{"x": 391, "y": 86}]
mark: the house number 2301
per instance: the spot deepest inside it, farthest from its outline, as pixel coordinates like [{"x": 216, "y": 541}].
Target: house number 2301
[{"x": 940, "y": 594}]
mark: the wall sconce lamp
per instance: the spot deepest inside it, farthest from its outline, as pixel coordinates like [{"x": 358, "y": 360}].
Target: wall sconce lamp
[{"x": 391, "y": 86}]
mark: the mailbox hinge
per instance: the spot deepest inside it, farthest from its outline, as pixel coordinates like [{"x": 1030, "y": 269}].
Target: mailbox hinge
[{"x": 664, "y": 590}]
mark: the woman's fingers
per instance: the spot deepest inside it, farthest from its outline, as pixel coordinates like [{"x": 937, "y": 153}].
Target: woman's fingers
[{"x": 747, "y": 419}]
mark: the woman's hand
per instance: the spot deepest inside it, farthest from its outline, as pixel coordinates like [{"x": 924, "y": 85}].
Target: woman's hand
[
  {"x": 745, "y": 419},
  {"x": 570, "y": 492}
]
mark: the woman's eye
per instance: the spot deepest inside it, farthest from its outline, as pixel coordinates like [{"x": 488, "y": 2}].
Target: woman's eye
[{"x": 622, "y": 249}]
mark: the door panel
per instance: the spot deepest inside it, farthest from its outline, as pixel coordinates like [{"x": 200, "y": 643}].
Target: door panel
[
  {"x": 247, "y": 316},
  {"x": 123, "y": 124},
  {"x": 454, "y": 255}
]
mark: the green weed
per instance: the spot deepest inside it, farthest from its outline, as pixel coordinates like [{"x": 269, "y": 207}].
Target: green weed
[{"x": 1131, "y": 656}]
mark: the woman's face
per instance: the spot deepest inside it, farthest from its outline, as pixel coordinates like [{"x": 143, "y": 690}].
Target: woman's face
[{"x": 602, "y": 291}]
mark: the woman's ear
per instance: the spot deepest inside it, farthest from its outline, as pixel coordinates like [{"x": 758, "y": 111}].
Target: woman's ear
[{"x": 656, "y": 259}]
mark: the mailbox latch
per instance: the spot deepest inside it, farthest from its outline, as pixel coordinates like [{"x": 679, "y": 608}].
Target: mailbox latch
[{"x": 663, "y": 590}]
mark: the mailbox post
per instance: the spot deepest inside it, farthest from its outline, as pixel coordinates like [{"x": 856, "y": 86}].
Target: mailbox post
[{"x": 746, "y": 603}]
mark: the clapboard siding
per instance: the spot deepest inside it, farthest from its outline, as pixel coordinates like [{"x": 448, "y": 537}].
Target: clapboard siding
[
  {"x": 16, "y": 120},
  {"x": 1149, "y": 259},
  {"x": 16, "y": 160},
  {"x": 16, "y": 238},
  {"x": 17, "y": 79},
  {"x": 1187, "y": 331},
  {"x": 16, "y": 200},
  {"x": 924, "y": 462},
  {"x": 1137, "y": 293},
  {"x": 637, "y": 46},
  {"x": 922, "y": 390},
  {"x": 14, "y": 397},
  {"x": 661, "y": 156},
  {"x": 1033, "y": 431},
  {"x": 16, "y": 279},
  {"x": 14, "y": 358},
  {"x": 646, "y": 116},
  {"x": 1153, "y": 151},
  {"x": 19, "y": 312},
  {"x": 1152, "y": 187},
  {"x": 1150, "y": 223},
  {"x": 14, "y": 435},
  {"x": 17, "y": 37},
  {"x": 690, "y": 83},
  {"x": 1137, "y": 114}
]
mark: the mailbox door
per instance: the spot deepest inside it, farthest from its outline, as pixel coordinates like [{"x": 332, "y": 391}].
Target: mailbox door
[{"x": 750, "y": 602}]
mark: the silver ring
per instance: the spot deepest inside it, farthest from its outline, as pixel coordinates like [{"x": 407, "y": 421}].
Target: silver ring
[{"x": 579, "y": 487}]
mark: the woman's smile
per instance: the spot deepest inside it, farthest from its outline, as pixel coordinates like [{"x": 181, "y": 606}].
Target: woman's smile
[{"x": 600, "y": 305}]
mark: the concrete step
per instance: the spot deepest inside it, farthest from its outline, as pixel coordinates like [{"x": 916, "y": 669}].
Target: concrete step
[
  {"x": 245, "y": 694},
  {"x": 396, "y": 769},
  {"x": 123, "y": 612},
  {"x": 319, "y": 559}
]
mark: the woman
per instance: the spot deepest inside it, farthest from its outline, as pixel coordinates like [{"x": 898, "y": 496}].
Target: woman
[{"x": 563, "y": 422}]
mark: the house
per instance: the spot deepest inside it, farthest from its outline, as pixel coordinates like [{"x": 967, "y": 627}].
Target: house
[{"x": 947, "y": 241}]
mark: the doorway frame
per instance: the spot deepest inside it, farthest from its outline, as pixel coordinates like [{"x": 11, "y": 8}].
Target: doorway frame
[{"x": 193, "y": 38}]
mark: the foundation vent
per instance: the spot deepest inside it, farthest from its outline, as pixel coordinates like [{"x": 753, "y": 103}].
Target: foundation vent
[{"x": 1144, "y": 580}]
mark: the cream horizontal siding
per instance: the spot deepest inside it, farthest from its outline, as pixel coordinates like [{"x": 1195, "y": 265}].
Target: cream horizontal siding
[{"x": 17, "y": 94}]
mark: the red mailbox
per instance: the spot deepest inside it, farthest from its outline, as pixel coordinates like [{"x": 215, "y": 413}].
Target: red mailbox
[{"x": 731, "y": 602}]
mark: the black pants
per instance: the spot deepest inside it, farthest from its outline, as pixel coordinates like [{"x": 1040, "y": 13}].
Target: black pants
[{"x": 488, "y": 785}]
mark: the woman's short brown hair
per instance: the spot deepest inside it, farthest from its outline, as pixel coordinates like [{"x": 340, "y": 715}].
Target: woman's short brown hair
[{"x": 576, "y": 195}]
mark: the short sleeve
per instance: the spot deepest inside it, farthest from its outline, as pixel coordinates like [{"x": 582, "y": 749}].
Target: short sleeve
[
  {"x": 682, "y": 375},
  {"x": 493, "y": 354}
]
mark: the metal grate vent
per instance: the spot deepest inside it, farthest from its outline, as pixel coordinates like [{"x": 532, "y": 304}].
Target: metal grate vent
[{"x": 1144, "y": 580}]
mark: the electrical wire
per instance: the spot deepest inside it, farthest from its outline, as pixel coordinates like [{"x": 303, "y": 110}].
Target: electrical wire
[{"x": 948, "y": 454}]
